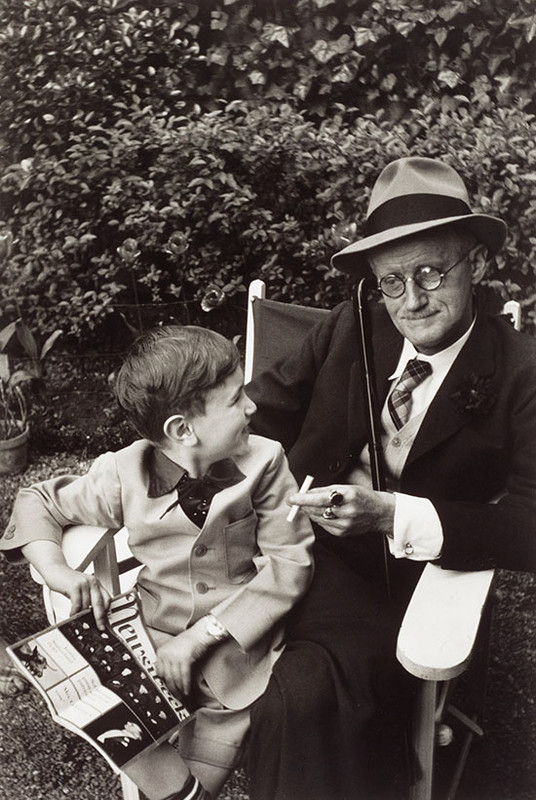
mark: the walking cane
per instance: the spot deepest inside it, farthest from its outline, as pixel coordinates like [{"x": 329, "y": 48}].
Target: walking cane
[{"x": 364, "y": 327}]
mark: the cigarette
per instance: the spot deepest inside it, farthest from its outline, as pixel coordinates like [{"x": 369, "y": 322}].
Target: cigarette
[{"x": 306, "y": 485}]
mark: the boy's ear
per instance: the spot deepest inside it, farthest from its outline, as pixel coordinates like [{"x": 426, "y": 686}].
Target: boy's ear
[{"x": 178, "y": 429}]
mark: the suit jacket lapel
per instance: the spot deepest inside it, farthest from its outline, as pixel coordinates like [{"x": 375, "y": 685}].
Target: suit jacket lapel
[{"x": 444, "y": 416}]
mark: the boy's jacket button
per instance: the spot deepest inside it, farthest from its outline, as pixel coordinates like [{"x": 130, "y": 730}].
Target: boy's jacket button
[{"x": 10, "y": 532}]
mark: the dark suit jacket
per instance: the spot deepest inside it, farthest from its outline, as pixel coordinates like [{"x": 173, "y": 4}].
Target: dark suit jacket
[{"x": 477, "y": 440}]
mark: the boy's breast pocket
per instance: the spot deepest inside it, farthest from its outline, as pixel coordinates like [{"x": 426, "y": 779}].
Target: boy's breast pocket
[{"x": 240, "y": 548}]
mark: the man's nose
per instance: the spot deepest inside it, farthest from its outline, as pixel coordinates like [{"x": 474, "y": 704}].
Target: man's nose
[{"x": 415, "y": 296}]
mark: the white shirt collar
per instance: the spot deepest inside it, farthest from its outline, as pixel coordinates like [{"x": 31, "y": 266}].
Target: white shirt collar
[{"x": 441, "y": 362}]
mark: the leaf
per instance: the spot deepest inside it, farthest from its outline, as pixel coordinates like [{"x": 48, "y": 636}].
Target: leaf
[
  {"x": 403, "y": 27},
  {"x": 449, "y": 78},
  {"x": 49, "y": 343},
  {"x": 323, "y": 51},
  {"x": 20, "y": 376},
  {"x": 440, "y": 36},
  {"x": 4, "y": 367},
  {"x": 344, "y": 74},
  {"x": 6, "y": 334},
  {"x": 275, "y": 33},
  {"x": 451, "y": 9},
  {"x": 27, "y": 340},
  {"x": 257, "y": 78},
  {"x": 363, "y": 36}
]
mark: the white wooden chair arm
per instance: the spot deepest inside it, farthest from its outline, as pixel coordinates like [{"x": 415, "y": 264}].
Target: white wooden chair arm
[
  {"x": 438, "y": 632},
  {"x": 80, "y": 544},
  {"x": 88, "y": 548}
]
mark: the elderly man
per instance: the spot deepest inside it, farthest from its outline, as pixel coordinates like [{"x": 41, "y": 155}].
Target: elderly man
[{"x": 457, "y": 391}]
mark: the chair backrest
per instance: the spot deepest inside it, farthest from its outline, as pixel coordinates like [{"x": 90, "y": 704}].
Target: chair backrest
[
  {"x": 273, "y": 328},
  {"x": 512, "y": 309}
]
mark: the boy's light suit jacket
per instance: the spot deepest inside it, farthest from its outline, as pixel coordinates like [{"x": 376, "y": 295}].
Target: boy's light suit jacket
[{"x": 247, "y": 565}]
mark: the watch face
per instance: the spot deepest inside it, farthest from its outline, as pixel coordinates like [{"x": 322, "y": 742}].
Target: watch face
[{"x": 215, "y": 628}]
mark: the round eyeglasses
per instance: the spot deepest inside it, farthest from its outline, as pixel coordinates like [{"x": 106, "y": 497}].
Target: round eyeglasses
[{"x": 427, "y": 278}]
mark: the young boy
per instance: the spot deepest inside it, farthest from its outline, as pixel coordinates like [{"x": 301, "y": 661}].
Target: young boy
[{"x": 204, "y": 504}]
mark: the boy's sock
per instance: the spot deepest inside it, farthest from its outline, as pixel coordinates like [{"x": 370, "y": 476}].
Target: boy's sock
[{"x": 192, "y": 790}]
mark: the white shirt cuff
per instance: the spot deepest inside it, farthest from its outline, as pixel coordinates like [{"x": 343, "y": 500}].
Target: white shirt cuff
[{"x": 417, "y": 530}]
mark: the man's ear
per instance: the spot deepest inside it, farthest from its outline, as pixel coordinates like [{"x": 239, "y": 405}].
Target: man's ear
[
  {"x": 479, "y": 263},
  {"x": 178, "y": 429}
]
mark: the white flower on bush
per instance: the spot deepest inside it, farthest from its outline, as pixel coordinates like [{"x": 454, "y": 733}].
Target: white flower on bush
[
  {"x": 129, "y": 251},
  {"x": 213, "y": 298},
  {"x": 177, "y": 244}
]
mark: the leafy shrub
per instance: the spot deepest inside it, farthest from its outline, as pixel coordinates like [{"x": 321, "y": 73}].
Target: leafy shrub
[
  {"x": 68, "y": 63},
  {"x": 152, "y": 214},
  {"x": 370, "y": 55},
  {"x": 132, "y": 185}
]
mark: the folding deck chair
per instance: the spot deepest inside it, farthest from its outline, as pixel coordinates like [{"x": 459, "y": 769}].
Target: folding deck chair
[{"x": 437, "y": 638}]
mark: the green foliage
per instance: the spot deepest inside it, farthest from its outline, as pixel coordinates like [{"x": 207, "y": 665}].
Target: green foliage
[
  {"x": 15, "y": 382},
  {"x": 370, "y": 55},
  {"x": 67, "y": 64},
  {"x": 13, "y": 407},
  {"x": 157, "y": 215},
  {"x": 142, "y": 166}
]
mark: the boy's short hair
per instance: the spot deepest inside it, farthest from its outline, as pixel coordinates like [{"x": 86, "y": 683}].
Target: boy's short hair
[{"x": 169, "y": 370}]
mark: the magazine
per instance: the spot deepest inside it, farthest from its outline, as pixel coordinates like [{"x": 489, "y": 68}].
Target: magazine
[{"x": 102, "y": 685}]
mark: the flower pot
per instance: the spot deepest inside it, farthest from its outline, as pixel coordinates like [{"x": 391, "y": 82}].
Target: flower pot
[{"x": 14, "y": 453}]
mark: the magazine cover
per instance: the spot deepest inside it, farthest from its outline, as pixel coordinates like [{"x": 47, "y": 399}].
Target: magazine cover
[{"x": 102, "y": 685}]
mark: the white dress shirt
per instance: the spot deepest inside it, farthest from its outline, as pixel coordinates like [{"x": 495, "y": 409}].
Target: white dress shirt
[{"x": 417, "y": 531}]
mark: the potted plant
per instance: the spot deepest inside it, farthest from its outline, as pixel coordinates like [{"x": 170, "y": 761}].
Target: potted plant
[
  {"x": 14, "y": 428},
  {"x": 14, "y": 382}
]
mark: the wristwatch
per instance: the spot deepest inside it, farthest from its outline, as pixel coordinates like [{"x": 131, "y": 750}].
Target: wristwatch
[{"x": 215, "y": 628}]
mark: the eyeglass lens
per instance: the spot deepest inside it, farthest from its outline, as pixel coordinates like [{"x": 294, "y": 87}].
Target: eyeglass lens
[{"x": 427, "y": 278}]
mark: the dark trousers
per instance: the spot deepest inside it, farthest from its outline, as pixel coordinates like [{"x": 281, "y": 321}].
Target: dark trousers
[{"x": 332, "y": 723}]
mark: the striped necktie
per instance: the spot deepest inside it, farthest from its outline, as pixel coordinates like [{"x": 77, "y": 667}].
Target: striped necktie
[{"x": 399, "y": 402}]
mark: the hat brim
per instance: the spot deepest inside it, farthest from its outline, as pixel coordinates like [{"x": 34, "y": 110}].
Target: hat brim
[{"x": 491, "y": 231}]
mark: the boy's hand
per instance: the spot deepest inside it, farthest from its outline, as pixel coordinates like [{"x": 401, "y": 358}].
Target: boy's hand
[
  {"x": 175, "y": 659},
  {"x": 83, "y": 590}
]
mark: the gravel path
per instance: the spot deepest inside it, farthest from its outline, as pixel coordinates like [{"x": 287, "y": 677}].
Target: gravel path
[{"x": 38, "y": 759}]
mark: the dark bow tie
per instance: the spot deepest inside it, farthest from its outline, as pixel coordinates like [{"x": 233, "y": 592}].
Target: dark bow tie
[{"x": 195, "y": 496}]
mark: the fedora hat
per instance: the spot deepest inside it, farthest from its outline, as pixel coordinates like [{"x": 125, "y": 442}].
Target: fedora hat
[{"x": 413, "y": 195}]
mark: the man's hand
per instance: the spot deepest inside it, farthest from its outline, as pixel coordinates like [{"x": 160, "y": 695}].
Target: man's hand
[
  {"x": 176, "y": 658},
  {"x": 360, "y": 510}
]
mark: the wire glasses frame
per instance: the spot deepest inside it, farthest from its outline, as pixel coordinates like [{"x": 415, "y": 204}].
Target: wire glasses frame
[{"x": 427, "y": 278}]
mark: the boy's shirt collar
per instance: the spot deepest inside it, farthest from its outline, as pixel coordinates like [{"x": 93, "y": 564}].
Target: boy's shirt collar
[{"x": 165, "y": 474}]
